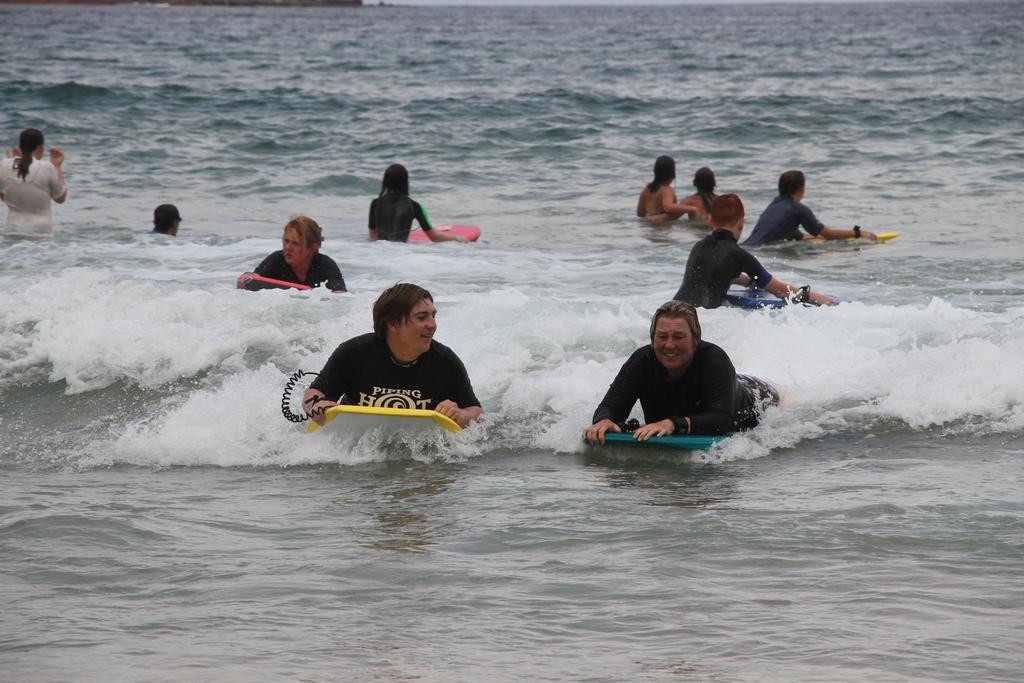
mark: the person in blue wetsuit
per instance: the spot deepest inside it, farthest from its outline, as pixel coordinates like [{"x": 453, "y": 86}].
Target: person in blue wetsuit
[
  {"x": 717, "y": 261},
  {"x": 392, "y": 212},
  {"x": 685, "y": 385},
  {"x": 785, "y": 216},
  {"x": 300, "y": 261},
  {"x": 398, "y": 365}
]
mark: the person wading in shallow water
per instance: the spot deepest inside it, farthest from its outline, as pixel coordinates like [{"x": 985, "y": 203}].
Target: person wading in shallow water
[
  {"x": 658, "y": 200},
  {"x": 704, "y": 182},
  {"x": 28, "y": 184},
  {"x": 392, "y": 212}
]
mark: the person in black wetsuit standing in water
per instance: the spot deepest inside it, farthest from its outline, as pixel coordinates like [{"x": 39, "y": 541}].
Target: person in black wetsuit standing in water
[
  {"x": 717, "y": 261},
  {"x": 392, "y": 212},
  {"x": 684, "y": 385}
]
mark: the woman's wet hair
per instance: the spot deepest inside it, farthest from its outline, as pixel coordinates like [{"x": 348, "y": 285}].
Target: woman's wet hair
[
  {"x": 664, "y": 172},
  {"x": 396, "y": 180},
  {"x": 678, "y": 309},
  {"x": 704, "y": 181},
  {"x": 28, "y": 142},
  {"x": 790, "y": 183},
  {"x": 726, "y": 210},
  {"x": 308, "y": 229},
  {"x": 395, "y": 304}
]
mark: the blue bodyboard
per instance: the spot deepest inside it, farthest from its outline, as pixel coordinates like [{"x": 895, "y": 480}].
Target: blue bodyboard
[{"x": 745, "y": 297}]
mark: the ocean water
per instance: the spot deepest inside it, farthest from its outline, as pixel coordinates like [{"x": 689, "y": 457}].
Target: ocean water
[{"x": 160, "y": 520}]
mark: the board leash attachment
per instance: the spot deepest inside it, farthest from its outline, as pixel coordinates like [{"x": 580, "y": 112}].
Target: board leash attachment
[
  {"x": 286, "y": 397},
  {"x": 629, "y": 426}
]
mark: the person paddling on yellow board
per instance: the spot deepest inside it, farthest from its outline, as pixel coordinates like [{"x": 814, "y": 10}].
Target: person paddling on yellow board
[
  {"x": 398, "y": 365},
  {"x": 298, "y": 264},
  {"x": 786, "y": 214},
  {"x": 685, "y": 385}
]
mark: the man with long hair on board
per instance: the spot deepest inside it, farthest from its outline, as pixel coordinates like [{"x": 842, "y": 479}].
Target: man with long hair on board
[
  {"x": 786, "y": 214},
  {"x": 299, "y": 262},
  {"x": 717, "y": 261},
  {"x": 685, "y": 385},
  {"x": 398, "y": 365}
]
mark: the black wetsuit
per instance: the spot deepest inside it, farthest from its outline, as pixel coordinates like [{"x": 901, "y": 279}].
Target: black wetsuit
[
  {"x": 780, "y": 220},
  {"x": 361, "y": 371},
  {"x": 714, "y": 263},
  {"x": 710, "y": 393},
  {"x": 323, "y": 270},
  {"x": 391, "y": 215}
]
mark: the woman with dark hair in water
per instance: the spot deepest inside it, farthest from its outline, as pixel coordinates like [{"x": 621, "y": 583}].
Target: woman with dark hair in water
[
  {"x": 658, "y": 199},
  {"x": 28, "y": 183},
  {"x": 704, "y": 182},
  {"x": 392, "y": 212}
]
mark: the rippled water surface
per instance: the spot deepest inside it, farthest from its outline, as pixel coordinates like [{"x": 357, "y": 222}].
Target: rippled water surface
[{"x": 159, "y": 520}]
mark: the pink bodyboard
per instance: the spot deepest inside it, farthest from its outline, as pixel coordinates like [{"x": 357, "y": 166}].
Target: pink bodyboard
[
  {"x": 470, "y": 232},
  {"x": 281, "y": 283}
]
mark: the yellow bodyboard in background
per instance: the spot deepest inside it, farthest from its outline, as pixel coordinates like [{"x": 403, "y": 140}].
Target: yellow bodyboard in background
[{"x": 882, "y": 237}]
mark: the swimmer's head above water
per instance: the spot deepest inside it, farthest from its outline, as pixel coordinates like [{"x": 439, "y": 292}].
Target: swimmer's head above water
[
  {"x": 664, "y": 172},
  {"x": 791, "y": 183},
  {"x": 395, "y": 181}
]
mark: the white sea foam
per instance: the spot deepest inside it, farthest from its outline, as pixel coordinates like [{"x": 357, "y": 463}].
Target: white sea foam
[
  {"x": 538, "y": 373},
  {"x": 540, "y": 357}
]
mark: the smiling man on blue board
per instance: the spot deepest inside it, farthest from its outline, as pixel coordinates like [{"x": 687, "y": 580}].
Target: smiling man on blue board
[
  {"x": 685, "y": 385},
  {"x": 398, "y": 365}
]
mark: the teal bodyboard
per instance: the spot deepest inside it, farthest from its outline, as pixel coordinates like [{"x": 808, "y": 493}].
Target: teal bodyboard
[{"x": 690, "y": 442}]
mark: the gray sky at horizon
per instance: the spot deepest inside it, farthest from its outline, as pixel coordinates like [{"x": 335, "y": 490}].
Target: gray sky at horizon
[{"x": 628, "y": 3}]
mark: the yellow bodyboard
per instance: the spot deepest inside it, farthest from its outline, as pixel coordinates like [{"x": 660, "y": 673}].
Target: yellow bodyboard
[
  {"x": 882, "y": 237},
  {"x": 399, "y": 417}
]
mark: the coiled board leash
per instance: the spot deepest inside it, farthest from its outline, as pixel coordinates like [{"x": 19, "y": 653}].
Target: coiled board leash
[{"x": 286, "y": 397}]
